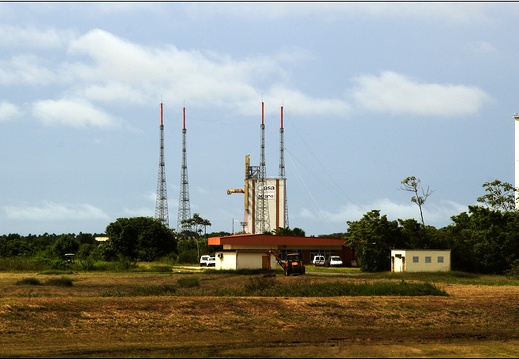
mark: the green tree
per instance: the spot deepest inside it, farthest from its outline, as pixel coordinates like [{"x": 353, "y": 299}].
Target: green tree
[
  {"x": 66, "y": 243},
  {"x": 289, "y": 232},
  {"x": 140, "y": 238},
  {"x": 413, "y": 236},
  {"x": 484, "y": 240},
  {"x": 373, "y": 237},
  {"x": 499, "y": 195},
  {"x": 196, "y": 224}
]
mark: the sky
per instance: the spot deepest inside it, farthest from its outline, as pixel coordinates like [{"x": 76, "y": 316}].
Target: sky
[{"x": 372, "y": 93}]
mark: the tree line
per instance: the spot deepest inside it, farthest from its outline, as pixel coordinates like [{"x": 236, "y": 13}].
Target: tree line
[{"x": 484, "y": 239}]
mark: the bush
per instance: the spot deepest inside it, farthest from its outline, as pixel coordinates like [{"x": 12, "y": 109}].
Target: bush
[
  {"x": 28, "y": 281},
  {"x": 63, "y": 281},
  {"x": 87, "y": 264},
  {"x": 513, "y": 272},
  {"x": 20, "y": 264}
]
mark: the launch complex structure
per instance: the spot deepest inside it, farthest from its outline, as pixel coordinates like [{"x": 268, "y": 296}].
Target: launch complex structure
[{"x": 265, "y": 198}]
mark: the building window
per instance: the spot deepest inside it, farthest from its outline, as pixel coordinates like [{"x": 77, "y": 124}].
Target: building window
[
  {"x": 415, "y": 259},
  {"x": 427, "y": 259},
  {"x": 440, "y": 259}
]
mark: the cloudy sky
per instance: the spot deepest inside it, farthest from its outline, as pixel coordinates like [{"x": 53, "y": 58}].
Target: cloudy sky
[{"x": 372, "y": 93}]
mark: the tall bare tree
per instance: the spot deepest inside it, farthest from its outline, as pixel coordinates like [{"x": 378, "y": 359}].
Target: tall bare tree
[{"x": 412, "y": 184}]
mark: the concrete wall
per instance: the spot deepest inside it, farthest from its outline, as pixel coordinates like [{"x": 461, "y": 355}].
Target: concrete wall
[
  {"x": 242, "y": 260},
  {"x": 420, "y": 260}
]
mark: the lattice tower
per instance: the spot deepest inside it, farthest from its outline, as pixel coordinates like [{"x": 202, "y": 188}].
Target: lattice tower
[
  {"x": 184, "y": 211},
  {"x": 161, "y": 203},
  {"x": 262, "y": 215},
  {"x": 282, "y": 163}
]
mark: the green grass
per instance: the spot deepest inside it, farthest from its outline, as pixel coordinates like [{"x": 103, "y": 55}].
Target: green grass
[
  {"x": 269, "y": 287},
  {"x": 149, "y": 290},
  {"x": 56, "y": 272},
  {"x": 188, "y": 282}
]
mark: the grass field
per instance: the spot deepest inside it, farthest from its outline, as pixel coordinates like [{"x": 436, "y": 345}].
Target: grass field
[{"x": 183, "y": 313}]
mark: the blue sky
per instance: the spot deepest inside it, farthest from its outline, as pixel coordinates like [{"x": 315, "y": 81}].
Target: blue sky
[{"x": 372, "y": 93}]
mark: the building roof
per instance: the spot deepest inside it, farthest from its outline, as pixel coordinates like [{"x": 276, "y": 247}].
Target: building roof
[{"x": 273, "y": 240}]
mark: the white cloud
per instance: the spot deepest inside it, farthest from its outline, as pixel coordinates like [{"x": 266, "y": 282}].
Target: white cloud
[
  {"x": 32, "y": 37},
  {"x": 71, "y": 112},
  {"x": 139, "y": 74},
  {"x": 143, "y": 211},
  {"x": 482, "y": 48},
  {"x": 103, "y": 68},
  {"x": 26, "y": 69},
  {"x": 397, "y": 94},
  {"x": 436, "y": 214},
  {"x": 113, "y": 92},
  {"x": 9, "y": 111},
  {"x": 51, "y": 211}
]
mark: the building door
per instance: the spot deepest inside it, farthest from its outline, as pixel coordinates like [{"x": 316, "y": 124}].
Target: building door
[{"x": 265, "y": 262}]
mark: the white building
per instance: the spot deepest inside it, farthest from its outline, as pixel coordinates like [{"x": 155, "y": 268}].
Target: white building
[
  {"x": 420, "y": 260},
  {"x": 273, "y": 191}
]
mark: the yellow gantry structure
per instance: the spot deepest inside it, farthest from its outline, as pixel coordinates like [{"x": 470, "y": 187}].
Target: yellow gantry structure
[{"x": 245, "y": 189}]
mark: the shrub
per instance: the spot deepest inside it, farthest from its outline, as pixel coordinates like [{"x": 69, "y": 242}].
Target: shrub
[
  {"x": 20, "y": 264},
  {"x": 513, "y": 272},
  {"x": 87, "y": 264},
  {"x": 63, "y": 281},
  {"x": 28, "y": 281}
]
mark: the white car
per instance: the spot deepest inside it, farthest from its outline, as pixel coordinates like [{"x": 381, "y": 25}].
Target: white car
[
  {"x": 203, "y": 260},
  {"x": 319, "y": 260},
  {"x": 211, "y": 261},
  {"x": 335, "y": 260}
]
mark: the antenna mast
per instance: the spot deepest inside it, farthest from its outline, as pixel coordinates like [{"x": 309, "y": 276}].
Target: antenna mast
[
  {"x": 262, "y": 218},
  {"x": 161, "y": 204},
  {"x": 184, "y": 211},
  {"x": 282, "y": 163}
]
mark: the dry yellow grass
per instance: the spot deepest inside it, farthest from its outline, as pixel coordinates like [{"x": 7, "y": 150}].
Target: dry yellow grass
[{"x": 58, "y": 322}]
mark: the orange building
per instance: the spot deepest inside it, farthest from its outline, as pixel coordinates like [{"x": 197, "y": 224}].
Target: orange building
[{"x": 251, "y": 251}]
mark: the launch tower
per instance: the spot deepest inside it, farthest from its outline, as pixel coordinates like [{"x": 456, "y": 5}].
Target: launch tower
[{"x": 264, "y": 203}]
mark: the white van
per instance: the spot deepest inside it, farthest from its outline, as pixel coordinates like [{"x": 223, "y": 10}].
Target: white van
[
  {"x": 319, "y": 260},
  {"x": 203, "y": 260},
  {"x": 335, "y": 260}
]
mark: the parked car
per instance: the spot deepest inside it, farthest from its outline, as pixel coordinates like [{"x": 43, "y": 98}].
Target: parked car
[
  {"x": 335, "y": 260},
  {"x": 319, "y": 260},
  {"x": 204, "y": 259},
  {"x": 211, "y": 261}
]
